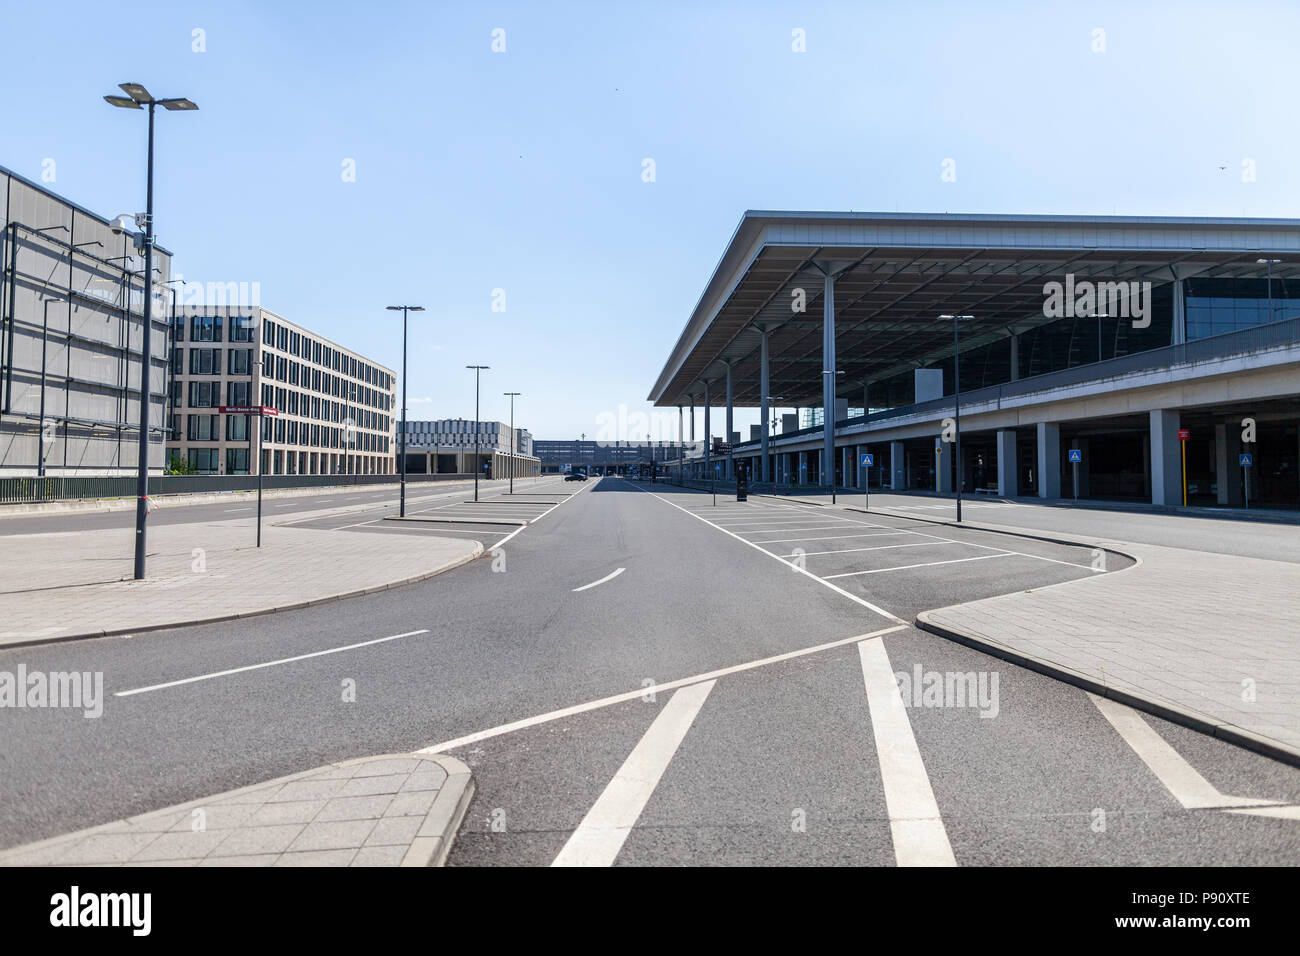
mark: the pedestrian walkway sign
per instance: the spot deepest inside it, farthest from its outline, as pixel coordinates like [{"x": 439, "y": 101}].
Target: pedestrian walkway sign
[
  {"x": 1076, "y": 455},
  {"x": 1245, "y": 460},
  {"x": 868, "y": 460}
]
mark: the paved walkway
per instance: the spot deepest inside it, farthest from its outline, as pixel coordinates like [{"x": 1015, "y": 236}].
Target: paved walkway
[
  {"x": 60, "y": 585},
  {"x": 1205, "y": 638},
  {"x": 393, "y": 810}
]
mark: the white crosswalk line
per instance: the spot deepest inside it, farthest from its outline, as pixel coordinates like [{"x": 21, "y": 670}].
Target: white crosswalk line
[
  {"x": 920, "y": 838},
  {"x": 602, "y": 832}
]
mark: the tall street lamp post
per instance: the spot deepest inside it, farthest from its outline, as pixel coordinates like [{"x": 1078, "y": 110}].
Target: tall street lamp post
[
  {"x": 956, "y": 403},
  {"x": 1269, "y": 263},
  {"x": 514, "y": 440},
  {"x": 401, "y": 510},
  {"x": 137, "y": 97},
  {"x": 477, "y": 369}
]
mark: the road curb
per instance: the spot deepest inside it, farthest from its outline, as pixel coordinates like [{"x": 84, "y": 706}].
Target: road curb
[
  {"x": 433, "y": 842},
  {"x": 217, "y": 619},
  {"x": 1186, "y": 717},
  {"x": 431, "y": 846}
]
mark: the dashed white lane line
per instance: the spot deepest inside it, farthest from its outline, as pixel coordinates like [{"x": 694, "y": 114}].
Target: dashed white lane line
[
  {"x": 254, "y": 667},
  {"x": 229, "y": 510},
  {"x": 449, "y": 745},
  {"x": 601, "y": 834},
  {"x": 608, "y": 577},
  {"x": 920, "y": 838},
  {"x": 1179, "y": 777},
  {"x": 928, "y": 564}
]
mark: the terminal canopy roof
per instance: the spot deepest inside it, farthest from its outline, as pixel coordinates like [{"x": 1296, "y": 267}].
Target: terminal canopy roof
[{"x": 897, "y": 272}]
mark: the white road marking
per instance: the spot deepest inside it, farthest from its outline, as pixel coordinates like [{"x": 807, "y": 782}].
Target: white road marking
[
  {"x": 798, "y": 570},
  {"x": 832, "y": 537},
  {"x": 920, "y": 838},
  {"x": 253, "y": 667},
  {"x": 602, "y": 832},
  {"x": 458, "y": 742},
  {"x": 229, "y": 510},
  {"x": 608, "y": 577},
  {"x": 838, "y": 526},
  {"x": 1282, "y": 813},
  {"x": 1179, "y": 777},
  {"x": 928, "y": 564},
  {"x": 878, "y": 547}
]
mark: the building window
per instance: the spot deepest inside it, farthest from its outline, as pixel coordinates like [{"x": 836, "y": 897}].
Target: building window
[
  {"x": 237, "y": 393},
  {"x": 205, "y": 328},
  {"x": 205, "y": 361},
  {"x": 236, "y": 428},
  {"x": 241, "y": 361},
  {"x": 204, "y": 428},
  {"x": 205, "y": 394},
  {"x": 237, "y": 461},
  {"x": 204, "y": 460},
  {"x": 241, "y": 328}
]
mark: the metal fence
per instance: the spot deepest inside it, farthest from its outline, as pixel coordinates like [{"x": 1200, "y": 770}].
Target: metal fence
[{"x": 35, "y": 490}]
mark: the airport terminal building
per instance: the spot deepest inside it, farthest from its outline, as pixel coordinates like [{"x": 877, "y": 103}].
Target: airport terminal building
[{"x": 1111, "y": 348}]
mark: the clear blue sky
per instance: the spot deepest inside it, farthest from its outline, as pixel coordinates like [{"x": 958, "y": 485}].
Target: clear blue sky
[{"x": 522, "y": 170}]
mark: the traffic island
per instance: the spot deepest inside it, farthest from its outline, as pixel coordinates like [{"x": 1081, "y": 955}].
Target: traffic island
[
  {"x": 389, "y": 810},
  {"x": 70, "y": 585}
]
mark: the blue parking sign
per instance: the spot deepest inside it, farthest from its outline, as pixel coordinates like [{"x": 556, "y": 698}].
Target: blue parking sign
[
  {"x": 1076, "y": 454},
  {"x": 1246, "y": 460},
  {"x": 868, "y": 460}
]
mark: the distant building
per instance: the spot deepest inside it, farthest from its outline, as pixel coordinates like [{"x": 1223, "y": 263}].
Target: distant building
[
  {"x": 606, "y": 457},
  {"x": 335, "y": 405},
  {"x": 449, "y": 445}
]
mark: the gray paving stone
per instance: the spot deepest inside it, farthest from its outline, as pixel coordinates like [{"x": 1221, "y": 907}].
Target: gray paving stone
[
  {"x": 332, "y": 835},
  {"x": 355, "y": 808}
]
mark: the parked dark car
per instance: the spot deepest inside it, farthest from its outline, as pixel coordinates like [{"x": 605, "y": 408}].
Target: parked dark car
[{"x": 575, "y": 476}]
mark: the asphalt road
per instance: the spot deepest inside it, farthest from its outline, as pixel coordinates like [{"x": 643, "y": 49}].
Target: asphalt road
[{"x": 679, "y": 739}]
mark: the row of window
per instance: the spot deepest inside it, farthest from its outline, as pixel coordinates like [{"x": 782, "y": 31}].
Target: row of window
[
  {"x": 205, "y": 461},
  {"x": 208, "y": 361},
  {"x": 275, "y": 431},
  {"x": 208, "y": 328},
  {"x": 280, "y": 369},
  {"x": 295, "y": 343}
]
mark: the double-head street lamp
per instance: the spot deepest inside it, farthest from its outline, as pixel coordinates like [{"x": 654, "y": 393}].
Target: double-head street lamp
[
  {"x": 477, "y": 369},
  {"x": 514, "y": 440},
  {"x": 956, "y": 404},
  {"x": 137, "y": 97},
  {"x": 401, "y": 513}
]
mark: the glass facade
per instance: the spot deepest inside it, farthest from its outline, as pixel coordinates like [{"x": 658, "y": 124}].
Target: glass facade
[{"x": 1218, "y": 306}]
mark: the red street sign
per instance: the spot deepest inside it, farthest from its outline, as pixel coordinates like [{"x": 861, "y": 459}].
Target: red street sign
[
  {"x": 1184, "y": 434},
  {"x": 248, "y": 410}
]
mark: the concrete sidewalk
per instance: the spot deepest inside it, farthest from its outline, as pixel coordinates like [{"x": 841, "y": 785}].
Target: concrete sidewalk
[
  {"x": 1207, "y": 639},
  {"x": 65, "y": 585},
  {"x": 391, "y": 810}
]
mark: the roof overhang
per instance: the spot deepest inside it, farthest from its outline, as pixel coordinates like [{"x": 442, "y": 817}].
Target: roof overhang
[{"x": 897, "y": 272}]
